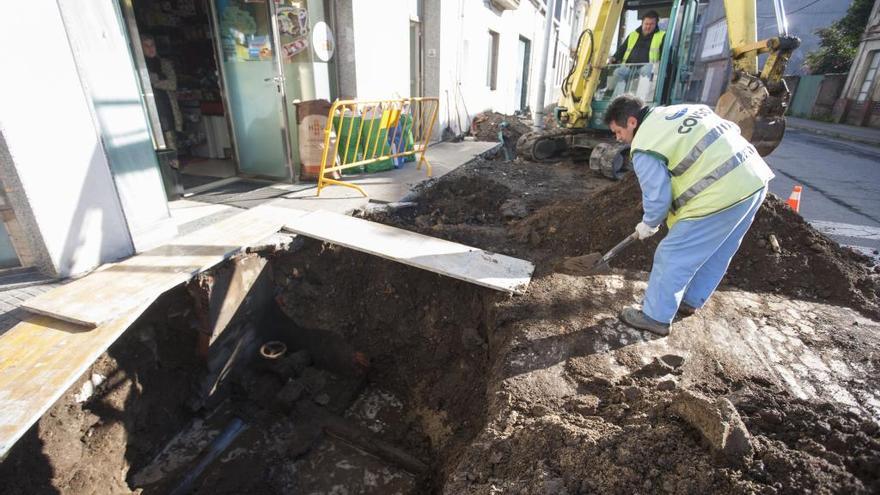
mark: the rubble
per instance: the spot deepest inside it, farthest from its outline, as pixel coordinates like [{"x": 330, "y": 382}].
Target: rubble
[
  {"x": 488, "y": 125},
  {"x": 718, "y": 422},
  {"x": 597, "y": 407}
]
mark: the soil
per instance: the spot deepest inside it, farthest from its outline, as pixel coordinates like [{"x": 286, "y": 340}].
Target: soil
[
  {"x": 578, "y": 403},
  {"x": 770, "y": 388},
  {"x": 808, "y": 265},
  {"x": 487, "y": 125}
]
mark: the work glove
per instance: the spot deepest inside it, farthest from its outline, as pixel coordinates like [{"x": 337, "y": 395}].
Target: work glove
[{"x": 644, "y": 230}]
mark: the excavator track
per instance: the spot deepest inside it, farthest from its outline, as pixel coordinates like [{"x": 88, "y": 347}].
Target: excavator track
[
  {"x": 606, "y": 156},
  {"x": 540, "y": 146}
]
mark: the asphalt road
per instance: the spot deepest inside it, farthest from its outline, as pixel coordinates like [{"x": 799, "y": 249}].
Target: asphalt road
[{"x": 841, "y": 186}]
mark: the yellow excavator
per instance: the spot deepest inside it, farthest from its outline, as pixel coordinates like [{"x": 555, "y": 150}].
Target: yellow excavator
[{"x": 755, "y": 99}]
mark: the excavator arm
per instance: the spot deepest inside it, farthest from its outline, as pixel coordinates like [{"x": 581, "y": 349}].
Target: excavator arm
[
  {"x": 757, "y": 100},
  {"x": 592, "y": 50}
]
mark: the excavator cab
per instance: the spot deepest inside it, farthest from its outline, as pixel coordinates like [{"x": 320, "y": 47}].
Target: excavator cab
[
  {"x": 652, "y": 82},
  {"x": 636, "y": 79},
  {"x": 755, "y": 99}
]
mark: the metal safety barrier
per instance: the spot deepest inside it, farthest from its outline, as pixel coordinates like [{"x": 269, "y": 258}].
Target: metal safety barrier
[{"x": 368, "y": 136}]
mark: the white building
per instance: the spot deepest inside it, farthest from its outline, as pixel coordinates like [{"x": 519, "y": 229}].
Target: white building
[
  {"x": 473, "y": 55},
  {"x": 87, "y": 144}
]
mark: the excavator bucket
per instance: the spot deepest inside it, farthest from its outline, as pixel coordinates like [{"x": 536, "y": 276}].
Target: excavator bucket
[{"x": 758, "y": 110}]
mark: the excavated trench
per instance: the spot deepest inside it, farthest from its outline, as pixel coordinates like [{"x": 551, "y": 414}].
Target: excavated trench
[
  {"x": 382, "y": 381},
  {"x": 397, "y": 380}
]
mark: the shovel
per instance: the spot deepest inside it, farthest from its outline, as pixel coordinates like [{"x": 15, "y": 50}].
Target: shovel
[{"x": 594, "y": 263}]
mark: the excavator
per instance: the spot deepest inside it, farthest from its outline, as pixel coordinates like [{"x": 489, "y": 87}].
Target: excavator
[{"x": 756, "y": 97}]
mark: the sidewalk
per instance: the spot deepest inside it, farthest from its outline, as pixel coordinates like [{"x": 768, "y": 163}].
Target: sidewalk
[
  {"x": 383, "y": 187},
  {"x": 864, "y": 135},
  {"x": 193, "y": 215}
]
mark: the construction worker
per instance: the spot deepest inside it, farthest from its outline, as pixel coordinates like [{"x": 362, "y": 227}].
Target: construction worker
[
  {"x": 699, "y": 174},
  {"x": 642, "y": 46}
]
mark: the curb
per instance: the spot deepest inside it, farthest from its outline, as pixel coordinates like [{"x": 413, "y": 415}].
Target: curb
[{"x": 838, "y": 135}]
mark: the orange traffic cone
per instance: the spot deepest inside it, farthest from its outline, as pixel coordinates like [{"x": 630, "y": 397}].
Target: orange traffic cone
[{"x": 794, "y": 201}]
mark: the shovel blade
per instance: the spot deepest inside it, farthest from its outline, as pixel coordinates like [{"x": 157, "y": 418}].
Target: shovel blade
[{"x": 588, "y": 264}]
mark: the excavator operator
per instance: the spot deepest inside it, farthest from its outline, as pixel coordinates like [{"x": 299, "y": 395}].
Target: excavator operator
[{"x": 642, "y": 46}]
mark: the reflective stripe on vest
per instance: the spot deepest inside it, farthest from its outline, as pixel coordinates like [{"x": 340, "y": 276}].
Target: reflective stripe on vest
[
  {"x": 653, "y": 51},
  {"x": 722, "y": 170},
  {"x": 700, "y": 147},
  {"x": 711, "y": 166}
]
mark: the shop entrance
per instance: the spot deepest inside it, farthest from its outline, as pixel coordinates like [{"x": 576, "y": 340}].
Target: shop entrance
[{"x": 222, "y": 80}]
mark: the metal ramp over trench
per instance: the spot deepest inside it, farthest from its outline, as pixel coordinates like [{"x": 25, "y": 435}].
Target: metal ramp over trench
[{"x": 495, "y": 271}]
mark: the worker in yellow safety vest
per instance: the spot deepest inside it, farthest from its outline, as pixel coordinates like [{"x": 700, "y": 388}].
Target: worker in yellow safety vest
[
  {"x": 699, "y": 174},
  {"x": 642, "y": 46}
]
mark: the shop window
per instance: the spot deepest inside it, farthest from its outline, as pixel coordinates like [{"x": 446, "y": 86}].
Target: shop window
[
  {"x": 870, "y": 76},
  {"x": 492, "y": 66}
]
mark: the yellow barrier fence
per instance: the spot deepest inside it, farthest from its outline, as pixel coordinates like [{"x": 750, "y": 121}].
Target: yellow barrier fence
[{"x": 375, "y": 135}]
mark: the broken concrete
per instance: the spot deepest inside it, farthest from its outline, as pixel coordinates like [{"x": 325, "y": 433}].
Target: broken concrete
[{"x": 718, "y": 422}]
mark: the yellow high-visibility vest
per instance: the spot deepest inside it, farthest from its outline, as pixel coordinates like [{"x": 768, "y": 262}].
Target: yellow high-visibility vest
[
  {"x": 711, "y": 166},
  {"x": 653, "y": 52}
]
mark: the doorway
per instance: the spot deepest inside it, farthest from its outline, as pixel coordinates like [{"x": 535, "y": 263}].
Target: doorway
[
  {"x": 173, "y": 50},
  {"x": 222, "y": 80},
  {"x": 524, "y": 51},
  {"x": 255, "y": 89}
]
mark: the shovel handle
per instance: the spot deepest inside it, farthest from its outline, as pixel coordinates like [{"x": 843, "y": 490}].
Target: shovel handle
[{"x": 619, "y": 247}]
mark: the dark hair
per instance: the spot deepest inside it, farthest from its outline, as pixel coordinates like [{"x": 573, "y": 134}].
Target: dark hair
[
  {"x": 622, "y": 108},
  {"x": 652, "y": 14}
]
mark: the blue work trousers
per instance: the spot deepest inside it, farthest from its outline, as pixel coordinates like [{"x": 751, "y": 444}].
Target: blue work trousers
[{"x": 693, "y": 258}]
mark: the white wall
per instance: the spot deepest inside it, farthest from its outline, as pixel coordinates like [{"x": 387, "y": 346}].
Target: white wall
[
  {"x": 380, "y": 39},
  {"x": 108, "y": 75},
  {"x": 53, "y": 148},
  {"x": 381, "y": 44},
  {"x": 465, "y": 53}
]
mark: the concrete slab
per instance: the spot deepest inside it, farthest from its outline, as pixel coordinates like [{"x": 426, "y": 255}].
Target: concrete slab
[
  {"x": 109, "y": 293},
  {"x": 472, "y": 265},
  {"x": 184, "y": 211}
]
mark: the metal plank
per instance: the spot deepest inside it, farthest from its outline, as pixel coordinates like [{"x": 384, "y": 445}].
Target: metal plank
[
  {"x": 118, "y": 288},
  {"x": 495, "y": 271},
  {"x": 40, "y": 359}
]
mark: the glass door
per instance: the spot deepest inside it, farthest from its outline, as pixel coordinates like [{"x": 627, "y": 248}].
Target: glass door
[
  {"x": 306, "y": 51},
  {"x": 254, "y": 86}
]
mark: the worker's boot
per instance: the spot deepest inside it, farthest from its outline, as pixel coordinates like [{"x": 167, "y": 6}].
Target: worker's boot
[{"x": 637, "y": 319}]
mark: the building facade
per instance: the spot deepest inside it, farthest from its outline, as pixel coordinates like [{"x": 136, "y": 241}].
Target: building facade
[
  {"x": 859, "y": 103},
  {"x": 142, "y": 99}
]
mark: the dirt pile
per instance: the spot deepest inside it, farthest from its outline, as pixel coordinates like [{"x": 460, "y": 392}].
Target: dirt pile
[
  {"x": 547, "y": 392},
  {"x": 808, "y": 265},
  {"x": 577, "y": 402},
  {"x": 488, "y": 125}
]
